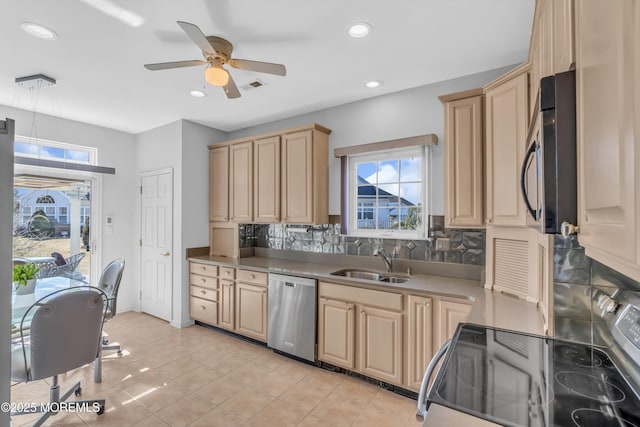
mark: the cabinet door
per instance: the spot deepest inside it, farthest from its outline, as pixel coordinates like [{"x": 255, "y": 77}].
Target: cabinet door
[
  {"x": 464, "y": 153},
  {"x": 336, "y": 333},
  {"x": 219, "y": 184},
  {"x": 608, "y": 104},
  {"x": 226, "y": 317},
  {"x": 266, "y": 184},
  {"x": 450, "y": 314},
  {"x": 506, "y": 124},
  {"x": 241, "y": 182},
  {"x": 251, "y": 311},
  {"x": 297, "y": 175},
  {"x": 547, "y": 35},
  {"x": 380, "y": 338},
  {"x": 420, "y": 336},
  {"x": 563, "y": 40}
]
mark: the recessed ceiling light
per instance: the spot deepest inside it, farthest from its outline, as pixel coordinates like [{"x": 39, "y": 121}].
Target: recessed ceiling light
[
  {"x": 359, "y": 30},
  {"x": 373, "y": 83},
  {"x": 39, "y": 31},
  {"x": 197, "y": 93}
]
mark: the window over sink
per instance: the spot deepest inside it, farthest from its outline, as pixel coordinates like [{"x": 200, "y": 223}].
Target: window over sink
[{"x": 387, "y": 192}]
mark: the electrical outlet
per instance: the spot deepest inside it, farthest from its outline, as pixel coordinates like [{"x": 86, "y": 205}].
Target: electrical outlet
[{"x": 443, "y": 244}]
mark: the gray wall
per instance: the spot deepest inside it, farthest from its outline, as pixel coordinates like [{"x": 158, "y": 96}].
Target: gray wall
[
  {"x": 6, "y": 247},
  {"x": 402, "y": 114},
  {"x": 182, "y": 147}
]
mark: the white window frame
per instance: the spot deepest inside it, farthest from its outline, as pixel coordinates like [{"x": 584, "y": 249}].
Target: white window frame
[{"x": 353, "y": 230}]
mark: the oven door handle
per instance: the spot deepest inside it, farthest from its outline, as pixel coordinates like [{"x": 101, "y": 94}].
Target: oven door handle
[
  {"x": 523, "y": 173},
  {"x": 422, "y": 397}
]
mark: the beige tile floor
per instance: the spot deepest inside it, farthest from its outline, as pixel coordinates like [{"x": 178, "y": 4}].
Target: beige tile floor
[{"x": 200, "y": 377}]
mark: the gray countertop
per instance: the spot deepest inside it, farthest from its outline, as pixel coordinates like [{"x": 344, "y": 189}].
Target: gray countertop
[{"x": 488, "y": 307}]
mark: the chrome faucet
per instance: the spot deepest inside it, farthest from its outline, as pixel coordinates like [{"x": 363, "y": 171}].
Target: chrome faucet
[{"x": 385, "y": 257}]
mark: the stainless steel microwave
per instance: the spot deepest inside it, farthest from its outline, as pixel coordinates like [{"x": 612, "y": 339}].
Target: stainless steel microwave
[{"x": 548, "y": 177}]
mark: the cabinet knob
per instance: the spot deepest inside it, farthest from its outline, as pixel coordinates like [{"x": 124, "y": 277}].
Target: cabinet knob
[
  {"x": 202, "y": 279},
  {"x": 204, "y": 308},
  {"x": 426, "y": 304},
  {"x": 203, "y": 292},
  {"x": 203, "y": 268},
  {"x": 252, "y": 276},
  {"x": 349, "y": 309},
  {"x": 362, "y": 311}
]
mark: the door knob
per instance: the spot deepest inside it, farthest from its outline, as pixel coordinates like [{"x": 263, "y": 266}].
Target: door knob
[{"x": 166, "y": 254}]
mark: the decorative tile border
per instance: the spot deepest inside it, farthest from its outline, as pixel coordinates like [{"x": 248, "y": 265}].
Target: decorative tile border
[{"x": 467, "y": 246}]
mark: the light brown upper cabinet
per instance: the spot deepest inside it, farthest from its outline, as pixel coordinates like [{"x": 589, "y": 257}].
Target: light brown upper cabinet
[
  {"x": 464, "y": 154},
  {"x": 608, "y": 132},
  {"x": 266, "y": 183},
  {"x": 276, "y": 177},
  {"x": 219, "y": 184},
  {"x": 305, "y": 177},
  {"x": 563, "y": 35},
  {"x": 506, "y": 119},
  {"x": 241, "y": 182}
]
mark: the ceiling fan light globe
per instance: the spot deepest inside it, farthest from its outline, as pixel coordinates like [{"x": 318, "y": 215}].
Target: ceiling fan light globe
[{"x": 216, "y": 76}]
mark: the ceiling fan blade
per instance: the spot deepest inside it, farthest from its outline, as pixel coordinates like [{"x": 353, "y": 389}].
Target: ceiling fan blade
[
  {"x": 196, "y": 35},
  {"x": 176, "y": 64},
  {"x": 261, "y": 67},
  {"x": 231, "y": 90}
]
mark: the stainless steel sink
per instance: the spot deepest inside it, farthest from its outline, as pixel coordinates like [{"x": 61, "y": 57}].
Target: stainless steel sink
[{"x": 371, "y": 275}]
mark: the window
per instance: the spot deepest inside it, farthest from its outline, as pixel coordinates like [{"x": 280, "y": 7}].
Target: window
[
  {"x": 31, "y": 147},
  {"x": 63, "y": 216},
  {"x": 50, "y": 211},
  {"x": 84, "y": 214},
  {"x": 387, "y": 193},
  {"x": 26, "y": 213},
  {"x": 45, "y": 199}
]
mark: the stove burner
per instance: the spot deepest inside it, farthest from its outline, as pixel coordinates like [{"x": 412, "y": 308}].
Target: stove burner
[
  {"x": 585, "y": 417},
  {"x": 578, "y": 355},
  {"x": 591, "y": 387}
]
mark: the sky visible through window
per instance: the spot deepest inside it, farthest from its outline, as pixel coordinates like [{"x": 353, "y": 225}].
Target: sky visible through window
[
  {"x": 51, "y": 152},
  {"x": 396, "y": 177}
]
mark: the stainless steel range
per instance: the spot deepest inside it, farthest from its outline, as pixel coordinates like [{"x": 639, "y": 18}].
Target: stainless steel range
[{"x": 516, "y": 379}]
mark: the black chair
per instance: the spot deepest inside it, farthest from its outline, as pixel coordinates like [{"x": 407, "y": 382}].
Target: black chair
[{"x": 64, "y": 334}]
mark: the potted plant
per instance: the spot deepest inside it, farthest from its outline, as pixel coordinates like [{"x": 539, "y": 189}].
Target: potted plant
[{"x": 24, "y": 278}]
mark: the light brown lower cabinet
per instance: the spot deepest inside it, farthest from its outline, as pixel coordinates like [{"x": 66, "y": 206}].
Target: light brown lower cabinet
[
  {"x": 419, "y": 337},
  {"x": 380, "y": 339},
  {"x": 449, "y": 315},
  {"x": 226, "y": 315},
  {"x": 336, "y": 333},
  {"x": 251, "y": 311}
]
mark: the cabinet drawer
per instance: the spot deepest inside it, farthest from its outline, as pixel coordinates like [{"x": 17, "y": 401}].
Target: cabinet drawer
[
  {"x": 209, "y": 294},
  {"x": 227, "y": 273},
  {"x": 204, "y": 269},
  {"x": 204, "y": 281},
  {"x": 356, "y": 295},
  {"x": 203, "y": 310},
  {"x": 253, "y": 277}
]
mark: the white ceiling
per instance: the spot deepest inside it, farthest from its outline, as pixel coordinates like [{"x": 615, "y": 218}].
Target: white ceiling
[{"x": 98, "y": 60}]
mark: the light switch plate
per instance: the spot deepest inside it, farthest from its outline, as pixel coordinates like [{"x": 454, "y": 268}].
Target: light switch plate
[{"x": 443, "y": 244}]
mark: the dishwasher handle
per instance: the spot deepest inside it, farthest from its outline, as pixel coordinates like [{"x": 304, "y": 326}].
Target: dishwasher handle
[
  {"x": 290, "y": 284},
  {"x": 422, "y": 397}
]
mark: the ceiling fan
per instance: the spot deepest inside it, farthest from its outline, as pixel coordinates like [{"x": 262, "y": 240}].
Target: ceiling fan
[{"x": 217, "y": 53}]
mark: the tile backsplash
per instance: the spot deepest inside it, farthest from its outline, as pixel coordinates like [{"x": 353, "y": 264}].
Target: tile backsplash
[
  {"x": 580, "y": 283},
  {"x": 466, "y": 246}
]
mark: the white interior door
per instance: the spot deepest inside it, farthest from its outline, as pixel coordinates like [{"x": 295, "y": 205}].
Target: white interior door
[{"x": 156, "y": 243}]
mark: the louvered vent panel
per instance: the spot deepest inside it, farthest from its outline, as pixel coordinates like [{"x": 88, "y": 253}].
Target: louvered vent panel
[{"x": 511, "y": 267}]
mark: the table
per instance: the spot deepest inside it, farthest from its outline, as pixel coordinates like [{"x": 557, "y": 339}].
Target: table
[
  {"x": 40, "y": 259},
  {"x": 45, "y": 286}
]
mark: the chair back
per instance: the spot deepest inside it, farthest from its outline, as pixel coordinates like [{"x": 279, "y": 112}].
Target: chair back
[
  {"x": 110, "y": 283},
  {"x": 20, "y": 261},
  {"x": 66, "y": 330}
]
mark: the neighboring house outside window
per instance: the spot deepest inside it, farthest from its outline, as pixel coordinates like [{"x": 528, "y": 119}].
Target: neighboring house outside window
[
  {"x": 63, "y": 215},
  {"x": 26, "y": 213},
  {"x": 387, "y": 193},
  {"x": 55, "y": 204}
]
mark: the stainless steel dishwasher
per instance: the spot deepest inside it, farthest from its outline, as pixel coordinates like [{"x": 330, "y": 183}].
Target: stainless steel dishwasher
[{"x": 292, "y": 315}]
